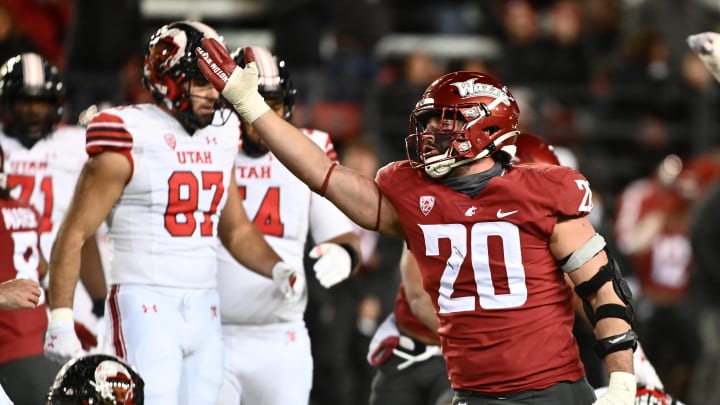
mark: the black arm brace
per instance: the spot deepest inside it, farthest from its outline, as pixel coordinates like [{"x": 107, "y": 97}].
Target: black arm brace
[
  {"x": 608, "y": 272},
  {"x": 610, "y": 344}
]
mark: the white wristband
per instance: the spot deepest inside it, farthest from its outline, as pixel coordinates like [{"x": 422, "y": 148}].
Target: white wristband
[{"x": 61, "y": 314}]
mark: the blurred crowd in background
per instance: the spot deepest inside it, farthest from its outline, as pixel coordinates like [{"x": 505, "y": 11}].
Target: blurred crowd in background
[{"x": 611, "y": 83}]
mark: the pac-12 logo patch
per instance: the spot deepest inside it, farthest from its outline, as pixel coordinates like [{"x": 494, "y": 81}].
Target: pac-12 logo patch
[{"x": 427, "y": 202}]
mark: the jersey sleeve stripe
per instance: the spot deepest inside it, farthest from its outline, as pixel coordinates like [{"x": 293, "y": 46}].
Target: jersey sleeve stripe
[{"x": 107, "y": 131}]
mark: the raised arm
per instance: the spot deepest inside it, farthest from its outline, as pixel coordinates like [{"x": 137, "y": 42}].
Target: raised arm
[{"x": 356, "y": 195}]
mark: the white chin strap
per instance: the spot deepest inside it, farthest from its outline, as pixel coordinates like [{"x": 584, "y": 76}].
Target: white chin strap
[
  {"x": 438, "y": 169},
  {"x": 3, "y": 181}
]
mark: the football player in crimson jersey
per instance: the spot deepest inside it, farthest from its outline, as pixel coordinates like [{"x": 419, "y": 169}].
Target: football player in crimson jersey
[
  {"x": 163, "y": 176},
  {"x": 492, "y": 241},
  {"x": 406, "y": 346},
  {"x": 24, "y": 371},
  {"x": 266, "y": 339}
]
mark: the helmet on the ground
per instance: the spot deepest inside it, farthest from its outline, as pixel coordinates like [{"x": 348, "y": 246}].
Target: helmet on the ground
[
  {"x": 29, "y": 77},
  {"x": 479, "y": 116},
  {"x": 170, "y": 61},
  {"x": 97, "y": 379}
]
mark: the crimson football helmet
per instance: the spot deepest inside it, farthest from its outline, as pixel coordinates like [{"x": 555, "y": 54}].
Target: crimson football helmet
[
  {"x": 170, "y": 61},
  {"x": 273, "y": 77},
  {"x": 25, "y": 78},
  {"x": 532, "y": 149},
  {"x": 479, "y": 118},
  {"x": 97, "y": 379}
]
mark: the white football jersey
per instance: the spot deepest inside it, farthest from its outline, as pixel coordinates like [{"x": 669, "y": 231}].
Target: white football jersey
[
  {"x": 45, "y": 175},
  {"x": 283, "y": 208},
  {"x": 163, "y": 228}
]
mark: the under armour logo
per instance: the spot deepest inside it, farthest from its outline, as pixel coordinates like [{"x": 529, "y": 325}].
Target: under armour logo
[
  {"x": 147, "y": 308},
  {"x": 211, "y": 140}
]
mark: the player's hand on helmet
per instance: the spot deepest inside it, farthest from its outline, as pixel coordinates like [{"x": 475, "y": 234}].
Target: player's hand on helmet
[
  {"x": 61, "y": 342},
  {"x": 621, "y": 390},
  {"x": 334, "y": 263},
  {"x": 238, "y": 85},
  {"x": 289, "y": 281}
]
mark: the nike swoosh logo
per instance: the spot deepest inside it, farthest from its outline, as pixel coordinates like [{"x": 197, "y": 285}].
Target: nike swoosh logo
[{"x": 501, "y": 214}]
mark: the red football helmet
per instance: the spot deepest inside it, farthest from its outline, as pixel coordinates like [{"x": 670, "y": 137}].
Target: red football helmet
[
  {"x": 532, "y": 149},
  {"x": 484, "y": 118},
  {"x": 170, "y": 61}
]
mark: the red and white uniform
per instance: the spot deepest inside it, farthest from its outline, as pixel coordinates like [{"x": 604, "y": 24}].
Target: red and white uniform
[
  {"x": 45, "y": 176},
  {"x": 163, "y": 303},
  {"x": 505, "y": 311},
  {"x": 21, "y": 331},
  {"x": 266, "y": 340}
]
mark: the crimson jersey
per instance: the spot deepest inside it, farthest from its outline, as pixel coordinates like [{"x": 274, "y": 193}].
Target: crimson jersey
[
  {"x": 664, "y": 265},
  {"x": 21, "y": 331},
  {"x": 406, "y": 320},
  {"x": 506, "y": 313}
]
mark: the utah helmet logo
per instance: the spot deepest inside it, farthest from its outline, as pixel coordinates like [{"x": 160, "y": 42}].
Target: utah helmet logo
[
  {"x": 170, "y": 140},
  {"x": 427, "y": 202}
]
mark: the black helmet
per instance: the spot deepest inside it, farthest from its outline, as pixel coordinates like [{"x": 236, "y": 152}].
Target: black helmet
[
  {"x": 97, "y": 379},
  {"x": 25, "y": 77}
]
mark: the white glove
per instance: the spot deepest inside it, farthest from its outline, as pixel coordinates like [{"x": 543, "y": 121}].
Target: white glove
[
  {"x": 334, "y": 263},
  {"x": 621, "y": 390},
  {"x": 707, "y": 46},
  {"x": 61, "y": 342},
  {"x": 238, "y": 85},
  {"x": 291, "y": 283}
]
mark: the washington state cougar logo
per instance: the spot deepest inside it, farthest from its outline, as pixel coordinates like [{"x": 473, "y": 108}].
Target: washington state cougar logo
[{"x": 427, "y": 202}]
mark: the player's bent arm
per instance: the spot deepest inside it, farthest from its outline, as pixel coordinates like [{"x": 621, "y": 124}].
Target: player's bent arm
[
  {"x": 242, "y": 239},
  {"x": 570, "y": 236},
  {"x": 418, "y": 299},
  {"x": 99, "y": 186}
]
